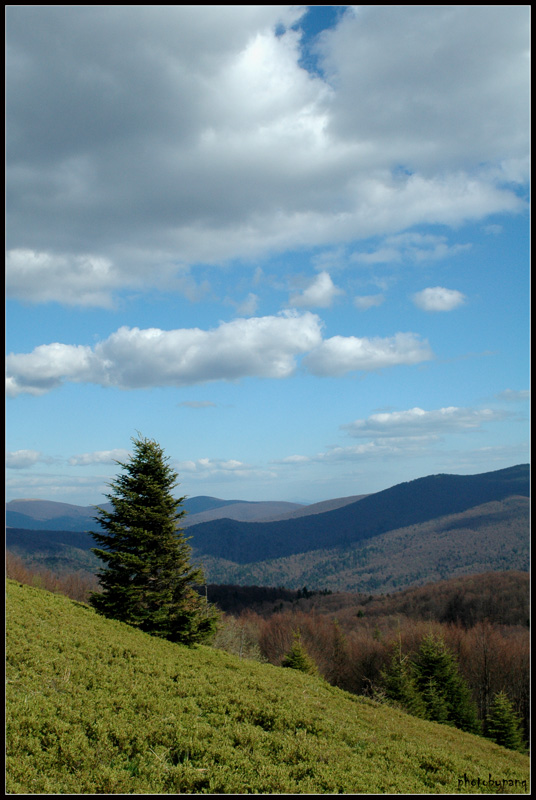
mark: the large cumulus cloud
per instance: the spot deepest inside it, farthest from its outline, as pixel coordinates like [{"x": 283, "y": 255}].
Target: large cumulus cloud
[
  {"x": 141, "y": 142},
  {"x": 265, "y": 347}
]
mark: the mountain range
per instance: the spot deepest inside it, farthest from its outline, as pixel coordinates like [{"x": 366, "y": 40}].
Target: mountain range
[{"x": 421, "y": 530}]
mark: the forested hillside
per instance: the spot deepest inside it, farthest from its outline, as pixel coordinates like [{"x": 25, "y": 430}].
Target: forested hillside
[{"x": 400, "y": 506}]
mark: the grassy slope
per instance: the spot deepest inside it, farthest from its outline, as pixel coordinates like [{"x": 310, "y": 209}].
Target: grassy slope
[{"x": 94, "y": 706}]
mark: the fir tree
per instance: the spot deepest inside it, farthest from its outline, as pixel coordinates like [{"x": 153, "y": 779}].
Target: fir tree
[
  {"x": 503, "y": 725},
  {"x": 446, "y": 695},
  {"x": 298, "y": 658},
  {"x": 399, "y": 684},
  {"x": 148, "y": 581}
]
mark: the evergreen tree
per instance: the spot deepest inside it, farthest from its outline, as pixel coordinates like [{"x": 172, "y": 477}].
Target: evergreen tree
[
  {"x": 446, "y": 695},
  {"x": 503, "y": 725},
  {"x": 399, "y": 684},
  {"x": 298, "y": 658},
  {"x": 148, "y": 581}
]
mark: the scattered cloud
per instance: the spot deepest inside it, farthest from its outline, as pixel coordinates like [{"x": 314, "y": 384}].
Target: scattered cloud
[
  {"x": 266, "y": 347},
  {"x": 22, "y": 459},
  {"x": 320, "y": 293},
  {"x": 132, "y": 358},
  {"x": 249, "y": 306},
  {"x": 409, "y": 247},
  {"x": 99, "y": 457},
  {"x": 221, "y": 469},
  {"x": 413, "y": 432},
  {"x": 342, "y": 354},
  {"x": 514, "y": 396},
  {"x": 416, "y": 421},
  {"x": 437, "y": 298},
  {"x": 364, "y": 302},
  {"x": 63, "y": 487}
]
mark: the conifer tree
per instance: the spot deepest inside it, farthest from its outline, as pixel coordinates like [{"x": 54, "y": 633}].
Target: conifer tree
[
  {"x": 445, "y": 692},
  {"x": 148, "y": 580},
  {"x": 400, "y": 685},
  {"x": 503, "y": 725},
  {"x": 298, "y": 658}
]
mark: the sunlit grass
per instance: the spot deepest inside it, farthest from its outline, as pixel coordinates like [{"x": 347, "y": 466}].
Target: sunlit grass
[{"x": 94, "y": 706}]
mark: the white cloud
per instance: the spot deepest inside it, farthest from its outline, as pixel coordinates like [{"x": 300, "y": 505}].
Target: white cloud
[
  {"x": 220, "y": 469},
  {"x": 192, "y": 134},
  {"x": 84, "y": 280},
  {"x": 514, "y": 396},
  {"x": 22, "y": 459},
  {"x": 262, "y": 347},
  {"x": 418, "y": 422},
  {"x": 437, "y": 298},
  {"x": 413, "y": 247},
  {"x": 364, "y": 302},
  {"x": 132, "y": 358},
  {"x": 48, "y": 366},
  {"x": 342, "y": 354},
  {"x": 99, "y": 457},
  {"x": 246, "y": 307},
  {"x": 320, "y": 293}
]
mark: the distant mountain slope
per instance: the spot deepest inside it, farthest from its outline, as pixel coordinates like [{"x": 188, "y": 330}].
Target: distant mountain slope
[
  {"x": 400, "y": 537},
  {"x": 49, "y": 515},
  {"x": 400, "y": 506},
  {"x": 318, "y": 508},
  {"x": 239, "y": 510},
  {"x": 53, "y": 516},
  {"x": 492, "y": 537}
]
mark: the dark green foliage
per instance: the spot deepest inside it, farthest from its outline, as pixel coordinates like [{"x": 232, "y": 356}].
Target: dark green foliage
[
  {"x": 445, "y": 693},
  {"x": 298, "y": 658},
  {"x": 148, "y": 581},
  {"x": 503, "y": 725},
  {"x": 400, "y": 686}
]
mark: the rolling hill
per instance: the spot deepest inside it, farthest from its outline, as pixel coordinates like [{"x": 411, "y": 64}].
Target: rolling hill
[
  {"x": 94, "y": 706},
  {"x": 423, "y": 530},
  {"x": 491, "y": 537},
  {"x": 53, "y": 516},
  {"x": 403, "y": 505}
]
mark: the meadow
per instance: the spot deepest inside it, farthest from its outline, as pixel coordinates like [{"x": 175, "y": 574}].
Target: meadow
[{"x": 95, "y": 707}]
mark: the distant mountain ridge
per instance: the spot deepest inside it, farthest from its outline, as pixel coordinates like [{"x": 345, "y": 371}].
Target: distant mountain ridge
[
  {"x": 50, "y": 515},
  {"x": 402, "y": 505},
  {"x": 424, "y": 530}
]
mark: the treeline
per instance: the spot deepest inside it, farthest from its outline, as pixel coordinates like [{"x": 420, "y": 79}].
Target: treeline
[
  {"x": 492, "y": 659},
  {"x": 234, "y": 599},
  {"x": 502, "y": 598},
  {"x": 77, "y": 585}
]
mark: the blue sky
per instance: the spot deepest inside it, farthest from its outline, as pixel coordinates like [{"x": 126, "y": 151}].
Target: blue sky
[{"x": 289, "y": 243}]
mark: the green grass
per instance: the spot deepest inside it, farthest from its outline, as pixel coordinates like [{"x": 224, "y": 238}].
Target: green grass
[{"x": 95, "y": 707}]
